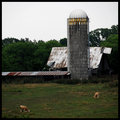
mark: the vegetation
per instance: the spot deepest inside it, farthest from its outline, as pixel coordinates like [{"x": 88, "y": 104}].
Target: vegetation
[
  {"x": 52, "y": 100},
  {"x": 63, "y": 42},
  {"x": 101, "y": 34},
  {"x": 27, "y": 55}
]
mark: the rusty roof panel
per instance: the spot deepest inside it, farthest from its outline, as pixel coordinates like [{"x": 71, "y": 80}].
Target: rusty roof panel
[
  {"x": 37, "y": 73},
  {"x": 25, "y": 73},
  {"x": 12, "y": 73},
  {"x": 59, "y": 56}
]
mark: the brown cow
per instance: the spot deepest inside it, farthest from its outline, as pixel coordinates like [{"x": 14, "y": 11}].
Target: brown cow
[
  {"x": 96, "y": 95},
  {"x": 24, "y": 108}
]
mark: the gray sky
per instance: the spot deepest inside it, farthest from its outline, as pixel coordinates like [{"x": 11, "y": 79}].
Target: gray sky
[{"x": 48, "y": 20}]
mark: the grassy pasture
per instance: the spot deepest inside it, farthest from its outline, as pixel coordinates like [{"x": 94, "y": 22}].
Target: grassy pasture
[{"x": 52, "y": 100}]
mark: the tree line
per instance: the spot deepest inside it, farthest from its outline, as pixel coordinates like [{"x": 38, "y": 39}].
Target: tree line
[
  {"x": 101, "y": 34},
  {"x": 26, "y": 55}
]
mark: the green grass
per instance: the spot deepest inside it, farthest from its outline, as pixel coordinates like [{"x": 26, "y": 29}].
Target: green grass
[{"x": 51, "y": 100}]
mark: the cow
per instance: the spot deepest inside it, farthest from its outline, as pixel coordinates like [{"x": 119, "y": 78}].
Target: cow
[
  {"x": 24, "y": 108},
  {"x": 96, "y": 95}
]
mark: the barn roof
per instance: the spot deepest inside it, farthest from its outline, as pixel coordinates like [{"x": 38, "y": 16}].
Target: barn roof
[
  {"x": 58, "y": 56},
  {"x": 36, "y": 73}
]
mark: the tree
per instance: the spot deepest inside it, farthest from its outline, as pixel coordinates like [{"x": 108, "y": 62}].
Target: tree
[
  {"x": 94, "y": 38},
  {"x": 7, "y": 41},
  {"x": 101, "y": 34},
  {"x": 114, "y": 29},
  {"x": 17, "y": 56},
  {"x": 40, "y": 56},
  {"x": 26, "y": 55},
  {"x": 52, "y": 43},
  {"x": 63, "y": 42},
  {"x": 112, "y": 41}
]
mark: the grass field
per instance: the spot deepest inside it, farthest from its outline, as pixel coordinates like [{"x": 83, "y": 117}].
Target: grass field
[{"x": 51, "y": 100}]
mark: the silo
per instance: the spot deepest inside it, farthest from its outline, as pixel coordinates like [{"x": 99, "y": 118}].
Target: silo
[{"x": 77, "y": 42}]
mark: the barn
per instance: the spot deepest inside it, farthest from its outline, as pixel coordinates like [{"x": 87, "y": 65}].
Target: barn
[{"x": 98, "y": 61}]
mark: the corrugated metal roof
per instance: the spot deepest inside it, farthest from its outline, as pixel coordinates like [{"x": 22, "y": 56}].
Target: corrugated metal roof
[
  {"x": 59, "y": 56},
  {"x": 5, "y": 73},
  {"x": 95, "y": 57},
  {"x": 37, "y": 73},
  {"x": 107, "y": 50}
]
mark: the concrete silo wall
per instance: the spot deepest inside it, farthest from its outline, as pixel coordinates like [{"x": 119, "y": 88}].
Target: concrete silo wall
[{"x": 78, "y": 50}]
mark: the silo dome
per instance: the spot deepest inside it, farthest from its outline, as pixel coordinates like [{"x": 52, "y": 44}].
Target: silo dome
[{"x": 78, "y": 13}]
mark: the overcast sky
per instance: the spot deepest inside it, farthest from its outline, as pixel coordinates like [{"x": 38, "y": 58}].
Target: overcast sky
[{"x": 48, "y": 20}]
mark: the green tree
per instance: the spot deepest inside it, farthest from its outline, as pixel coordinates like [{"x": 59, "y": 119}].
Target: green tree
[
  {"x": 52, "y": 43},
  {"x": 17, "y": 56},
  {"x": 94, "y": 38},
  {"x": 112, "y": 41},
  {"x": 7, "y": 41},
  {"x": 40, "y": 56},
  {"x": 63, "y": 42},
  {"x": 26, "y": 55},
  {"x": 101, "y": 34},
  {"x": 114, "y": 29}
]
